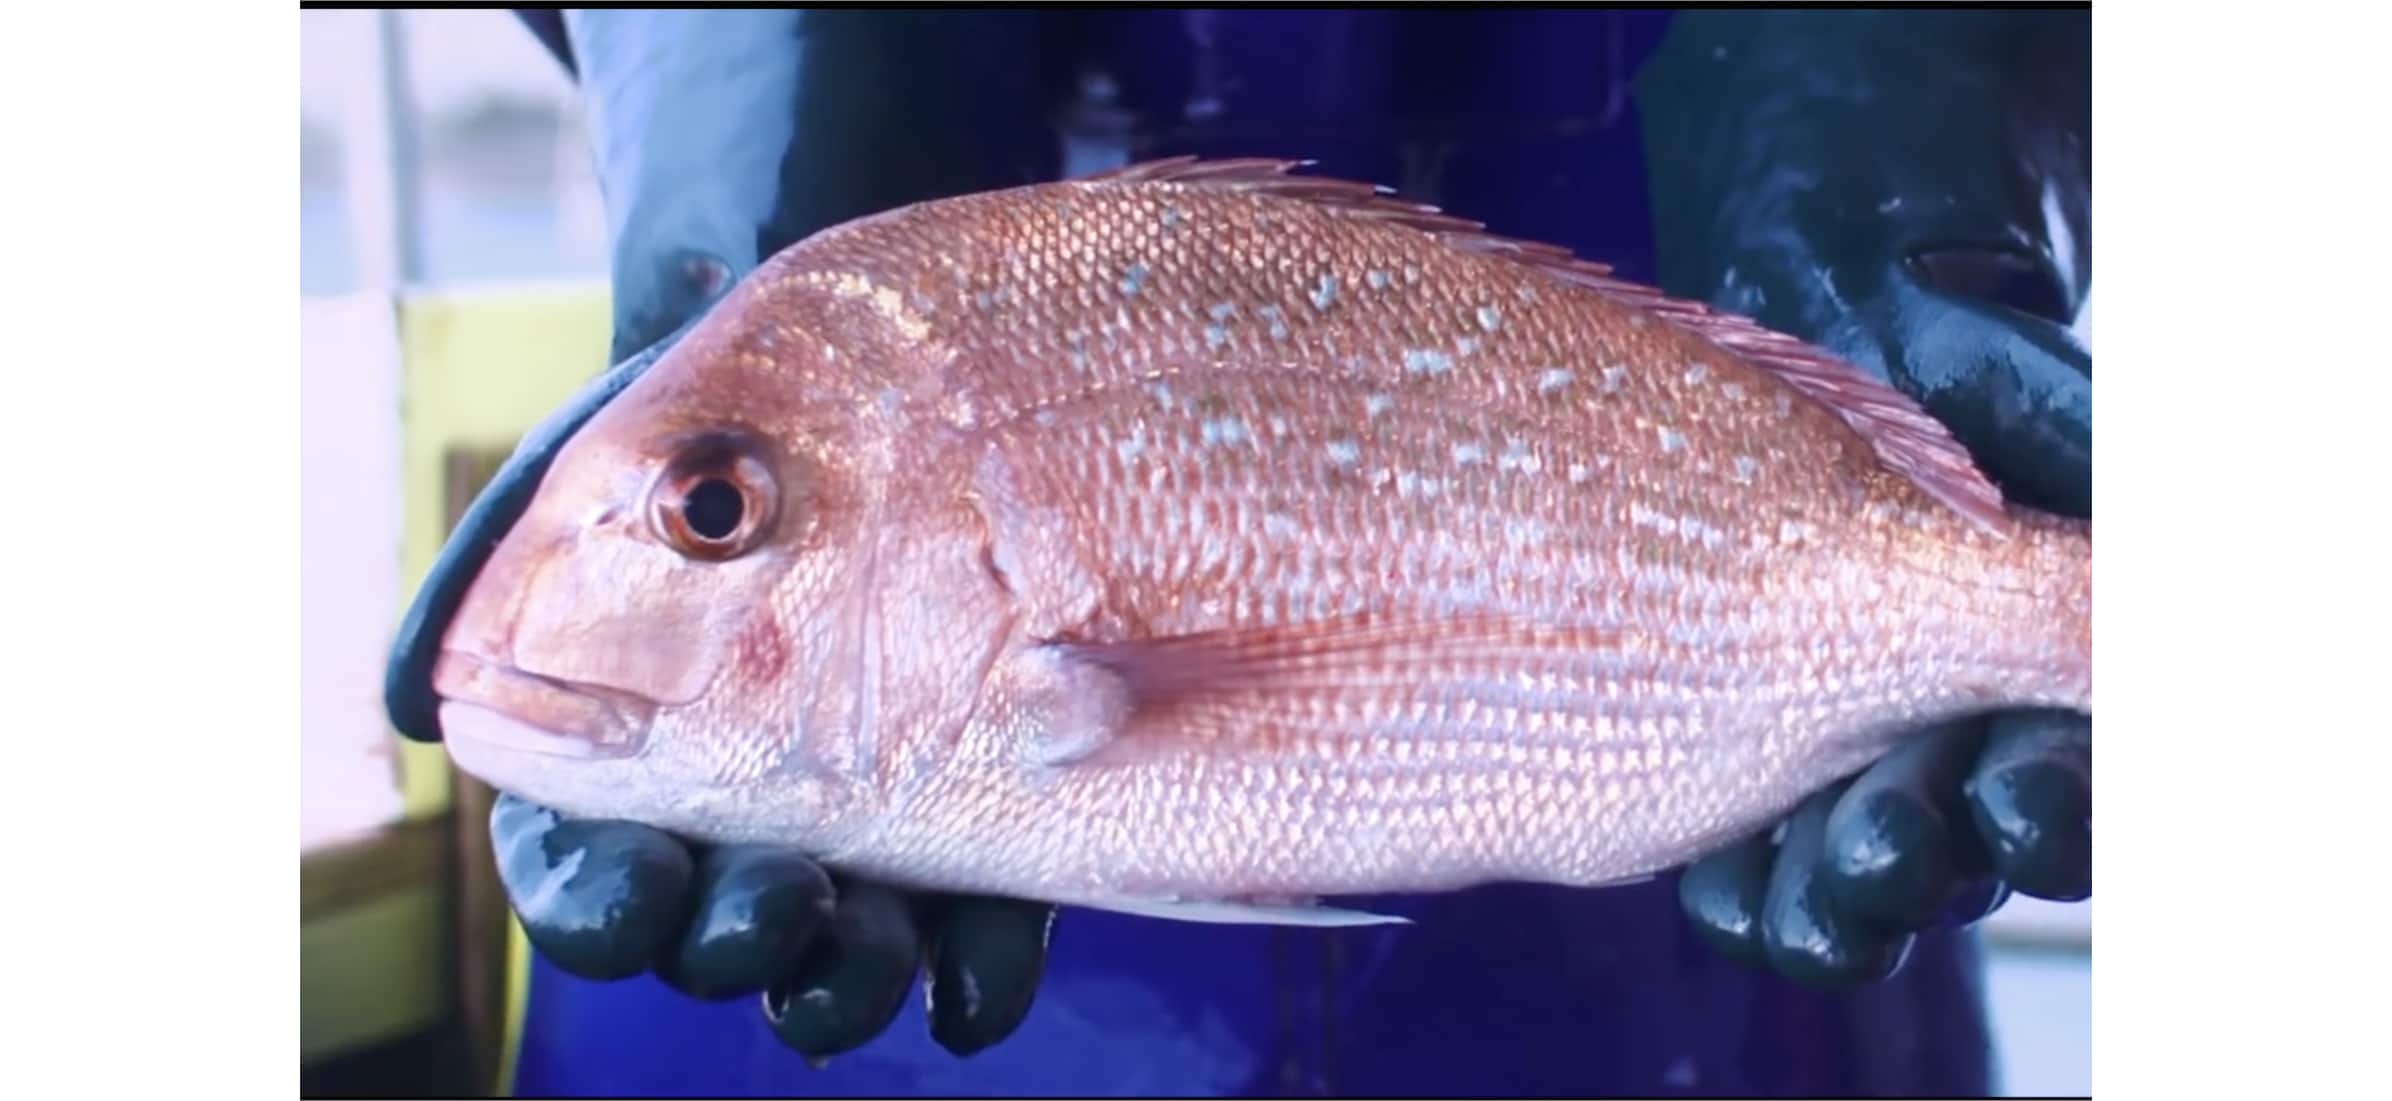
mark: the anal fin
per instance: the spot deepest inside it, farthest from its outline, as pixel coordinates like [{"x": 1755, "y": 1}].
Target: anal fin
[{"x": 1230, "y": 912}]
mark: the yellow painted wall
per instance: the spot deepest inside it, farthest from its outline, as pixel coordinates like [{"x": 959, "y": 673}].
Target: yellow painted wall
[{"x": 371, "y": 972}]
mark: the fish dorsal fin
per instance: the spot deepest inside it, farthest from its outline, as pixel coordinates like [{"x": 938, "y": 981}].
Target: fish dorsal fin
[{"x": 1905, "y": 438}]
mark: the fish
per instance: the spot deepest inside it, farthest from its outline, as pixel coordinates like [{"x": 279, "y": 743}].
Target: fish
[{"x": 1209, "y": 540}]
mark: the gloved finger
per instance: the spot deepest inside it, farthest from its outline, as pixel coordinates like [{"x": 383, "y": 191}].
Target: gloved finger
[
  {"x": 2032, "y": 798},
  {"x": 986, "y": 957},
  {"x": 1898, "y": 844},
  {"x": 2016, "y": 390},
  {"x": 849, "y": 983},
  {"x": 2013, "y": 275},
  {"x": 1974, "y": 901},
  {"x": 1722, "y": 894},
  {"x": 1805, "y": 937},
  {"x": 757, "y": 908},
  {"x": 601, "y": 899}
]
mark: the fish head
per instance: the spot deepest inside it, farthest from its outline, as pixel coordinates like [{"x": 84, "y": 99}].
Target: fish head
[{"x": 670, "y": 626}]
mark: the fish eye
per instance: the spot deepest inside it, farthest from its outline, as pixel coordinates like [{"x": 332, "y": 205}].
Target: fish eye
[{"x": 714, "y": 501}]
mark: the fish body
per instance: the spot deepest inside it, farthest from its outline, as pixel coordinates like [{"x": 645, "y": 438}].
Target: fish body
[{"x": 1202, "y": 539}]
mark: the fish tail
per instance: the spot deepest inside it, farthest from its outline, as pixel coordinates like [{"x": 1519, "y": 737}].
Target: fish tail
[
  {"x": 2029, "y": 623},
  {"x": 2062, "y": 562},
  {"x": 2081, "y": 625}
]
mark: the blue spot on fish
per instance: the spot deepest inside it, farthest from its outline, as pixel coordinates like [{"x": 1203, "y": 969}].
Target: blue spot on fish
[
  {"x": 1325, "y": 292},
  {"x": 1427, "y": 361}
]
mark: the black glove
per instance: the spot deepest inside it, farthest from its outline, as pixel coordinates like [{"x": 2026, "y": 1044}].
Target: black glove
[
  {"x": 1912, "y": 191},
  {"x": 834, "y": 959},
  {"x": 698, "y": 114}
]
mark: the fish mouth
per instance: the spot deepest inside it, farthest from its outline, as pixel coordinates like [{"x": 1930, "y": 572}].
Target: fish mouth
[{"x": 500, "y": 705}]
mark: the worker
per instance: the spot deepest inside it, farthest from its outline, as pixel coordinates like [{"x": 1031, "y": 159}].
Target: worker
[{"x": 1908, "y": 188}]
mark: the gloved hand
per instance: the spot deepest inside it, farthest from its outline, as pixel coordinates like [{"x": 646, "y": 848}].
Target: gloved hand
[
  {"x": 694, "y": 115},
  {"x": 1911, "y": 190},
  {"x": 834, "y": 959}
]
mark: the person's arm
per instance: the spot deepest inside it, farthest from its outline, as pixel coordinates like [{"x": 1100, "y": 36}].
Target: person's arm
[
  {"x": 723, "y": 136},
  {"x": 1911, "y": 189}
]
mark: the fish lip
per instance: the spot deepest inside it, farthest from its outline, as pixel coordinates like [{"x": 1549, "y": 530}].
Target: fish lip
[{"x": 498, "y": 704}]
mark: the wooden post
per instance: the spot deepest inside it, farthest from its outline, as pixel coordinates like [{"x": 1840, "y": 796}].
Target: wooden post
[{"x": 479, "y": 904}]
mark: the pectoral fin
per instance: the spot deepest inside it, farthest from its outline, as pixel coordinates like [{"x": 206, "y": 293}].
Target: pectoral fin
[{"x": 1222, "y": 686}]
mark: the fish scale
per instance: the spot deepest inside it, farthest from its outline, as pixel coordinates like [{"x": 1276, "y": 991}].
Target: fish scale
[{"x": 1252, "y": 537}]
